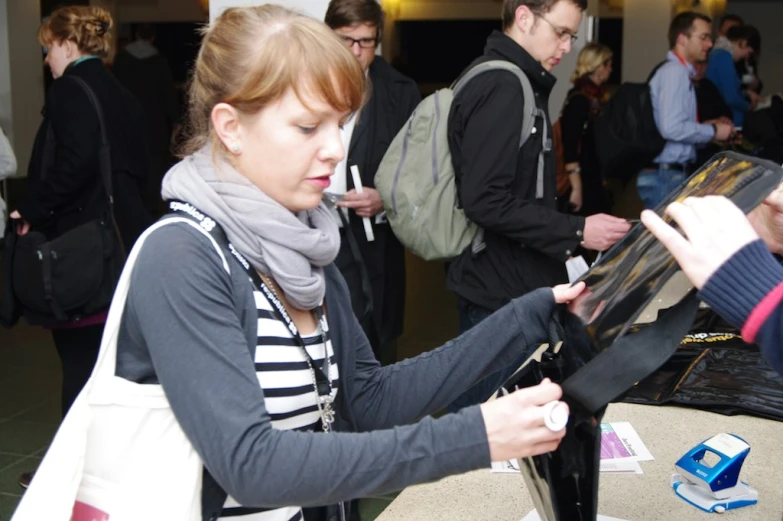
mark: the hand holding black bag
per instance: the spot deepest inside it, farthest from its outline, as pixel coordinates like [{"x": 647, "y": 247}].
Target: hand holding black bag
[{"x": 75, "y": 274}]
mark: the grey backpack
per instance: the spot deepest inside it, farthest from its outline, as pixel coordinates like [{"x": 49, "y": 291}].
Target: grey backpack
[{"x": 416, "y": 177}]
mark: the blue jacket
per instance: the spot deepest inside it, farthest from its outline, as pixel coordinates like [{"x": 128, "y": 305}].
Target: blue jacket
[{"x": 721, "y": 71}]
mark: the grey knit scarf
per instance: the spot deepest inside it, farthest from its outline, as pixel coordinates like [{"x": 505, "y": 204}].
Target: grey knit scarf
[{"x": 292, "y": 248}]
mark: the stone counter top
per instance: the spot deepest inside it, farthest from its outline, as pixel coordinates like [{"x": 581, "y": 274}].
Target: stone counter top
[{"x": 667, "y": 431}]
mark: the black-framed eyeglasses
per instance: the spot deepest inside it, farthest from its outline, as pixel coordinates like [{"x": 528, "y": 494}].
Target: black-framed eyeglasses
[
  {"x": 563, "y": 34},
  {"x": 364, "y": 43}
]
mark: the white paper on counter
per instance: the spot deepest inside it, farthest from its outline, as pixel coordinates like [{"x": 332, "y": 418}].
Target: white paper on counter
[
  {"x": 620, "y": 440},
  {"x": 533, "y": 516},
  {"x": 621, "y": 466},
  {"x": 510, "y": 466}
]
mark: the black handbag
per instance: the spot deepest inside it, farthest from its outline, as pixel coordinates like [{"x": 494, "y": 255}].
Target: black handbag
[
  {"x": 73, "y": 275},
  {"x": 596, "y": 356}
]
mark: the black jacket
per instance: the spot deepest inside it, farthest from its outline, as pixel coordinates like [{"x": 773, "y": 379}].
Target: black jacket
[
  {"x": 149, "y": 79},
  {"x": 579, "y": 147},
  {"x": 64, "y": 181},
  {"x": 393, "y": 99},
  {"x": 527, "y": 240}
]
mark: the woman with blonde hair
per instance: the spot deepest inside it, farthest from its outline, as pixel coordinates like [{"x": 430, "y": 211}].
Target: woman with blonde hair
[
  {"x": 65, "y": 187},
  {"x": 583, "y": 102},
  {"x": 254, "y": 341}
]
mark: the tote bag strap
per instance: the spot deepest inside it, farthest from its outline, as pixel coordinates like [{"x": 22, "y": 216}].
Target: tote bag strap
[{"x": 53, "y": 491}]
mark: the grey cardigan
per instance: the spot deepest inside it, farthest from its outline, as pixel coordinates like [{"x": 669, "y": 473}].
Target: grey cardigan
[{"x": 191, "y": 326}]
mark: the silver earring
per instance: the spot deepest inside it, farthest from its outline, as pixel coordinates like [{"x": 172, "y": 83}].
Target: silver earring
[{"x": 235, "y": 148}]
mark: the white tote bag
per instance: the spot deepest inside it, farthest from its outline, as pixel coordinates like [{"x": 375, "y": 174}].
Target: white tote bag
[{"x": 119, "y": 454}]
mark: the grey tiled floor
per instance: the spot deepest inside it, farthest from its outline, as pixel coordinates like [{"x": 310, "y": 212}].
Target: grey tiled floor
[{"x": 29, "y": 406}]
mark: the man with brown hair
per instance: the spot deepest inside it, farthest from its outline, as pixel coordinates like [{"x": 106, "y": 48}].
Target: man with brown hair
[
  {"x": 366, "y": 136},
  {"x": 527, "y": 240}
]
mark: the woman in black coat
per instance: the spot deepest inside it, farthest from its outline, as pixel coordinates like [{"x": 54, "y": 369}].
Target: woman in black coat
[
  {"x": 65, "y": 188},
  {"x": 594, "y": 66}
]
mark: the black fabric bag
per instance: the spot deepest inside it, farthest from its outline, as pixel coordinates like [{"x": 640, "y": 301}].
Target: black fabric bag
[
  {"x": 714, "y": 370},
  {"x": 595, "y": 354},
  {"x": 625, "y": 134},
  {"x": 73, "y": 275}
]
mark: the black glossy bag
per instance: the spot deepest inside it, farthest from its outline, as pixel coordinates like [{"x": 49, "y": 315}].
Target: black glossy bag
[
  {"x": 74, "y": 274},
  {"x": 595, "y": 356}
]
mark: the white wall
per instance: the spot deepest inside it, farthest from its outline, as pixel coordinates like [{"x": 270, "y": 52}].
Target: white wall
[
  {"x": 767, "y": 17},
  {"x": 5, "y": 70},
  {"x": 21, "y": 87},
  {"x": 315, "y": 8},
  {"x": 645, "y": 24}
]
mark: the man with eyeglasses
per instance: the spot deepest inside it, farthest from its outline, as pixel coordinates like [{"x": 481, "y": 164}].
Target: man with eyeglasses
[
  {"x": 366, "y": 136},
  {"x": 675, "y": 110},
  {"x": 527, "y": 240}
]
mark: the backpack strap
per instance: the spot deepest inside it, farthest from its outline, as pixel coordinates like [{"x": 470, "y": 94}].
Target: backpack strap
[
  {"x": 652, "y": 73},
  {"x": 529, "y": 113}
]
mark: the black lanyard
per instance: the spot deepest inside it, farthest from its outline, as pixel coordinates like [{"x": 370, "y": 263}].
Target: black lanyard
[{"x": 209, "y": 225}]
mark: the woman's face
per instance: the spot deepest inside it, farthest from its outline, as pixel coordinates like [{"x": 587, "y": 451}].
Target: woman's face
[
  {"x": 289, "y": 149},
  {"x": 59, "y": 55}
]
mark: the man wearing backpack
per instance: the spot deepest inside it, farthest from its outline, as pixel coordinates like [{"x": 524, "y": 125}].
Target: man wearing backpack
[
  {"x": 674, "y": 109},
  {"x": 527, "y": 241}
]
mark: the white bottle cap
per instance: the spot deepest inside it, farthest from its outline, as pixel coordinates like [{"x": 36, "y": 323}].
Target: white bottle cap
[{"x": 555, "y": 416}]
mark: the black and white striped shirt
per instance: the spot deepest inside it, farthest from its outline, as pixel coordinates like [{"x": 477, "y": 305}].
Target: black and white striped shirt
[{"x": 289, "y": 393}]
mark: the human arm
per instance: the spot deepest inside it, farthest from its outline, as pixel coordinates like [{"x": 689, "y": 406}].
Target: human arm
[
  {"x": 74, "y": 123},
  {"x": 671, "y": 88},
  {"x": 724, "y": 258},
  {"x": 415, "y": 387},
  {"x": 7, "y": 157},
  {"x": 490, "y": 179}
]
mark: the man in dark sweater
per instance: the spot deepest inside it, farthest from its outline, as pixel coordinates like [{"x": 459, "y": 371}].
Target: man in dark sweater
[
  {"x": 527, "y": 239},
  {"x": 729, "y": 259}
]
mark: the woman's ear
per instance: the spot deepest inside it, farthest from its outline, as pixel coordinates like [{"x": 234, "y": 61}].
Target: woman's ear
[{"x": 225, "y": 121}]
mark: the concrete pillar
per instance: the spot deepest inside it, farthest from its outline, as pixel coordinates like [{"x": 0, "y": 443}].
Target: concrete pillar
[
  {"x": 315, "y": 8},
  {"x": 645, "y": 24},
  {"x": 21, "y": 76}
]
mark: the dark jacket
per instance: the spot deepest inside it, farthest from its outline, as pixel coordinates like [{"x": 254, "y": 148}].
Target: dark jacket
[
  {"x": 146, "y": 74},
  {"x": 583, "y": 102},
  {"x": 393, "y": 99},
  {"x": 710, "y": 105},
  {"x": 527, "y": 240},
  {"x": 747, "y": 290},
  {"x": 65, "y": 188},
  {"x": 184, "y": 306}
]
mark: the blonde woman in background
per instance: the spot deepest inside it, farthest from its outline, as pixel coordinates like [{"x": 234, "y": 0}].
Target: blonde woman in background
[{"x": 584, "y": 101}]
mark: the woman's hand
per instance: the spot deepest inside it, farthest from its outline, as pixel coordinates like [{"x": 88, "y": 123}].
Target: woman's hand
[
  {"x": 767, "y": 220},
  {"x": 515, "y": 423},
  {"x": 714, "y": 227},
  {"x": 22, "y": 226}
]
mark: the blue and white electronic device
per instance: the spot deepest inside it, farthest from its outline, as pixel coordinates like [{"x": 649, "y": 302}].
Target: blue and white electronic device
[{"x": 708, "y": 475}]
